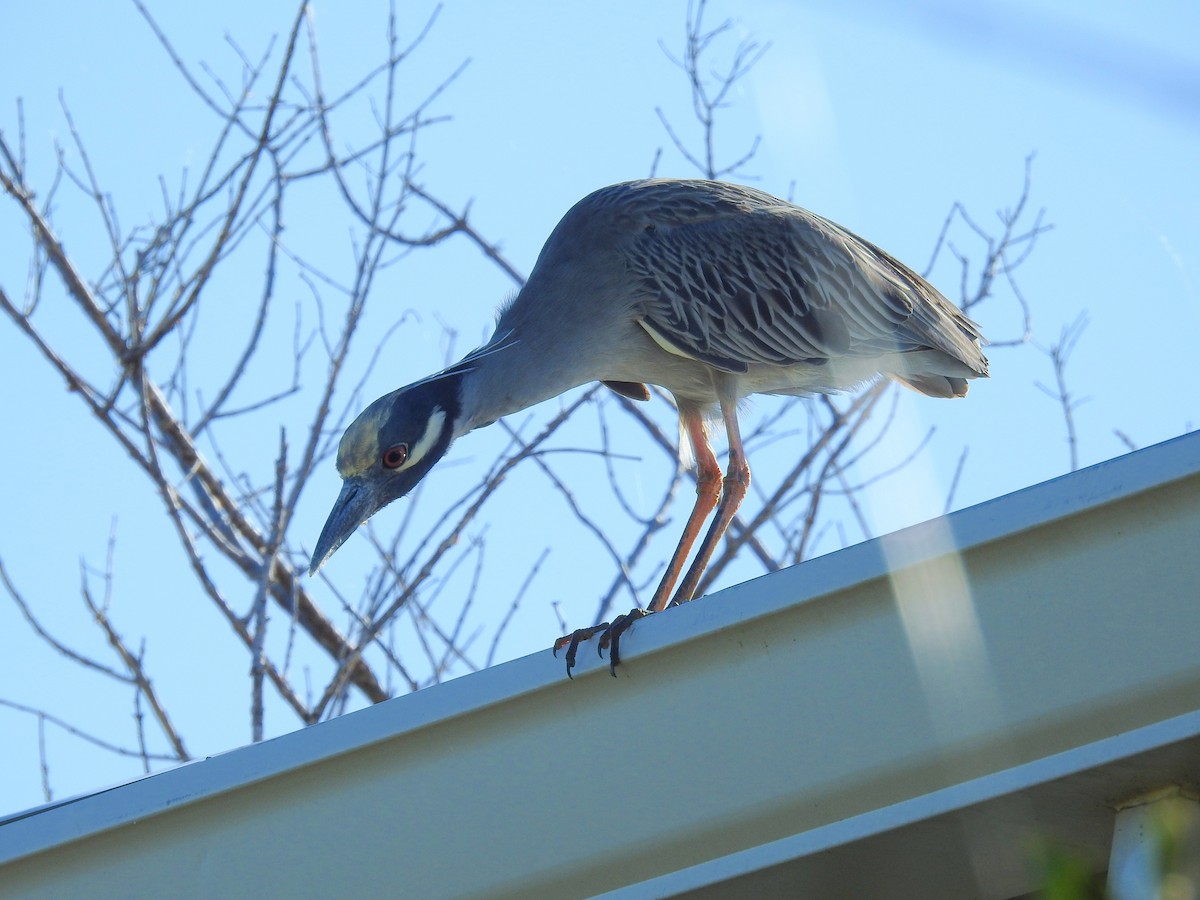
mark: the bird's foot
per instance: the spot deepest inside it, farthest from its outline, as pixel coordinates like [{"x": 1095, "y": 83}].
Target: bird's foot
[
  {"x": 610, "y": 640},
  {"x": 571, "y": 642}
]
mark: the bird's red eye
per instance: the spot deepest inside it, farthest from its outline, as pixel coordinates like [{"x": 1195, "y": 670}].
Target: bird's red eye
[{"x": 394, "y": 456}]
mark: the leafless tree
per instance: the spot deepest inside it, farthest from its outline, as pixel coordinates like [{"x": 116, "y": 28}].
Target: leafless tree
[
  {"x": 195, "y": 428},
  {"x": 1059, "y": 354}
]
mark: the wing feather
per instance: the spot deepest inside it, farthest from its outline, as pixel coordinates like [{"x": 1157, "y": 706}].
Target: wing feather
[{"x": 735, "y": 277}]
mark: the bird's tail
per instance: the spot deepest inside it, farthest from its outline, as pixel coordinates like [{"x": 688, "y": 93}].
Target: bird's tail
[{"x": 942, "y": 386}]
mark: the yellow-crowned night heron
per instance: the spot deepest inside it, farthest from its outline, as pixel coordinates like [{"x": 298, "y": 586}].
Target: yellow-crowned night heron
[{"x": 711, "y": 290}]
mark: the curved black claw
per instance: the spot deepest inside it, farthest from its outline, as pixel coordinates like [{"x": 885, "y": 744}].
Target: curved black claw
[
  {"x": 611, "y": 639},
  {"x": 571, "y": 642}
]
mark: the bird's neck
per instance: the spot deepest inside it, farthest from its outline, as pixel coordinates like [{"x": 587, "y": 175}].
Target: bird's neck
[{"x": 511, "y": 373}]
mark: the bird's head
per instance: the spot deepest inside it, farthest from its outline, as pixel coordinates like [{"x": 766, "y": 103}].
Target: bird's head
[{"x": 385, "y": 452}]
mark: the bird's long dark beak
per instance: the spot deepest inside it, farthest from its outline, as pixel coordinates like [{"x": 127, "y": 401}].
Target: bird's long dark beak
[{"x": 354, "y": 505}]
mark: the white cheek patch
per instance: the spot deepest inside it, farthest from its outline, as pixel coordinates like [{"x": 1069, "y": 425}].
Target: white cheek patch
[{"x": 433, "y": 431}]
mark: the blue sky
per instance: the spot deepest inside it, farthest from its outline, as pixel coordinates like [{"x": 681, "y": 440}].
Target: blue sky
[{"x": 877, "y": 115}]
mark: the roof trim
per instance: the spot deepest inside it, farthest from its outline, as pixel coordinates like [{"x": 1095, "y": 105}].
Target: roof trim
[
  {"x": 711, "y": 630},
  {"x": 951, "y": 799}
]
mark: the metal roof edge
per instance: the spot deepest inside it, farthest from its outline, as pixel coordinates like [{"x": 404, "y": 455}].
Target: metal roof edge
[
  {"x": 42, "y": 828},
  {"x": 906, "y": 812}
]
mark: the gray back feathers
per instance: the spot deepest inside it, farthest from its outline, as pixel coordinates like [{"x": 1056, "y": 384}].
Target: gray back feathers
[{"x": 734, "y": 277}]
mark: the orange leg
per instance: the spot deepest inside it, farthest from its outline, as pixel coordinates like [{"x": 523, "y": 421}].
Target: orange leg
[
  {"x": 737, "y": 482},
  {"x": 708, "y": 489}
]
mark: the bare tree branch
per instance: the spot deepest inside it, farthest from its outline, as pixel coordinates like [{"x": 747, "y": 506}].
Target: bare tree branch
[
  {"x": 710, "y": 89},
  {"x": 1060, "y": 353}
]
